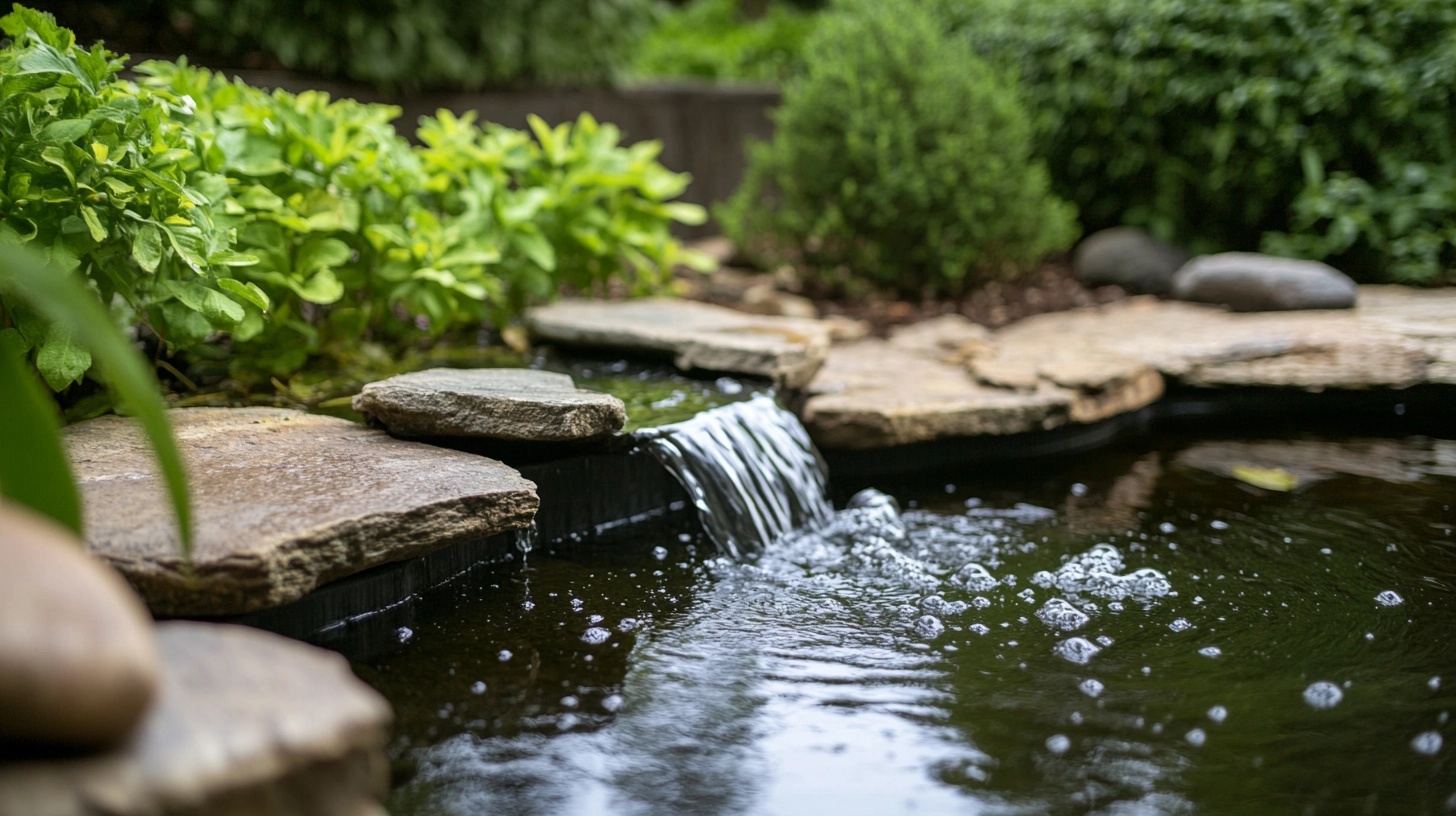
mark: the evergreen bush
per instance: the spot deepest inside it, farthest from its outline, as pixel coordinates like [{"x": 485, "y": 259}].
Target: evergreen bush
[
  {"x": 900, "y": 160},
  {"x": 1324, "y": 128}
]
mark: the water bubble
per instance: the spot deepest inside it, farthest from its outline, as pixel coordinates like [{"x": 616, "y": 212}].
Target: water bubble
[
  {"x": 975, "y": 578},
  {"x": 1075, "y": 718},
  {"x": 1104, "y": 641},
  {"x": 570, "y": 701},
  {"x": 1115, "y": 606},
  {"x": 659, "y": 553},
  {"x": 1180, "y": 625},
  {"x": 1218, "y": 525},
  {"x": 577, "y": 604},
  {"x": 980, "y": 602},
  {"x": 477, "y": 688},
  {"x": 612, "y": 703},
  {"x": 1091, "y": 687},
  {"x": 1218, "y": 713},
  {"x": 978, "y": 628},
  {"x": 728, "y": 385},
  {"x": 1079, "y": 490},
  {"x": 596, "y": 635},
  {"x": 1027, "y": 595},
  {"x": 1434, "y": 683},
  {"x": 1210, "y": 651},
  {"x": 1058, "y": 744},
  {"x": 593, "y": 620},
  {"x": 1389, "y": 598},
  {"x": 929, "y": 627},
  {"x": 1196, "y": 737},
  {"x": 1323, "y": 694},
  {"x": 1077, "y": 650},
  {"x": 1167, "y": 527},
  {"x": 1059, "y": 614},
  {"x": 404, "y": 633},
  {"x": 1043, "y": 579},
  {"x": 503, "y": 655},
  {"x": 628, "y": 624},
  {"x": 936, "y": 605},
  {"x": 1427, "y": 742}
]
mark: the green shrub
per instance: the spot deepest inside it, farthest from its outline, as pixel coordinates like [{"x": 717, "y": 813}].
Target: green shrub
[
  {"x": 709, "y": 39},
  {"x": 899, "y": 160},
  {"x": 435, "y": 43},
  {"x": 1216, "y": 123}
]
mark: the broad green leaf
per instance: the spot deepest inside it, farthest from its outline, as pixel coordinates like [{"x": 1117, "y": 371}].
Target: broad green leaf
[
  {"x": 323, "y": 288},
  {"x": 66, "y": 301},
  {"x": 34, "y": 471},
  {"x": 146, "y": 247},
  {"x": 60, "y": 359},
  {"x": 64, "y": 130},
  {"x": 219, "y": 309},
  {"x": 93, "y": 224},
  {"x": 230, "y": 258},
  {"x": 246, "y": 290},
  {"x": 321, "y": 253},
  {"x": 537, "y": 248},
  {"x": 690, "y": 214}
]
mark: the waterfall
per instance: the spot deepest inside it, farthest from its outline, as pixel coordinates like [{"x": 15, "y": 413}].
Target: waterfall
[{"x": 751, "y": 471}]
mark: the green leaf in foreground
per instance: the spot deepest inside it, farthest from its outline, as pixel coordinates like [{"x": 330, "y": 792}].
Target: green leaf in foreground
[
  {"x": 63, "y": 300},
  {"x": 33, "y": 467}
]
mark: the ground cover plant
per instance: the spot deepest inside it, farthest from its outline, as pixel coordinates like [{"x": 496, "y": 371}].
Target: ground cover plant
[
  {"x": 1319, "y": 128},
  {"x": 901, "y": 161},
  {"x": 265, "y": 229},
  {"x": 715, "y": 39}
]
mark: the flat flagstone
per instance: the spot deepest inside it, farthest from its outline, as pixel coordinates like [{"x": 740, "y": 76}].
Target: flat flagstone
[
  {"x": 696, "y": 335},
  {"x": 1091, "y": 364},
  {"x": 283, "y": 501},
  {"x": 246, "y": 722},
  {"x": 517, "y": 404}
]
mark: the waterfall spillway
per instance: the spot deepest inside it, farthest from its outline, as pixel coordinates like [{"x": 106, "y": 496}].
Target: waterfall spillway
[{"x": 750, "y": 470}]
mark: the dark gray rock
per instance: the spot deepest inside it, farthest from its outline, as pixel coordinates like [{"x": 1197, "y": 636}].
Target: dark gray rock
[
  {"x": 78, "y": 660},
  {"x": 518, "y": 404},
  {"x": 1250, "y": 282},
  {"x": 1130, "y": 258},
  {"x": 283, "y": 501},
  {"x": 247, "y": 722}
]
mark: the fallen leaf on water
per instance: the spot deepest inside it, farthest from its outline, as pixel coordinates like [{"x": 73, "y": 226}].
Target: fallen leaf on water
[{"x": 1268, "y": 478}]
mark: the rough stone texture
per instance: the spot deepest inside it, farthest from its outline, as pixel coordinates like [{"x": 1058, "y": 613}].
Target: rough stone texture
[
  {"x": 247, "y": 723},
  {"x": 1399, "y": 461},
  {"x": 915, "y": 387},
  {"x": 78, "y": 661},
  {"x": 1250, "y": 282},
  {"x": 787, "y": 350},
  {"x": 1130, "y": 258},
  {"x": 1087, "y": 365},
  {"x": 518, "y": 404},
  {"x": 283, "y": 501}
]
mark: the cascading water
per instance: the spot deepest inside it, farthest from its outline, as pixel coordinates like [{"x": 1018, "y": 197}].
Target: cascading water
[{"x": 751, "y": 471}]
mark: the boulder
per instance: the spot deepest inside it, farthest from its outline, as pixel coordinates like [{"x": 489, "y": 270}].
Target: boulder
[
  {"x": 283, "y": 501},
  {"x": 1130, "y": 258},
  {"x": 78, "y": 660},
  {"x": 247, "y": 722},
  {"x": 696, "y": 335},
  {"x": 1250, "y": 282},
  {"x": 516, "y": 404}
]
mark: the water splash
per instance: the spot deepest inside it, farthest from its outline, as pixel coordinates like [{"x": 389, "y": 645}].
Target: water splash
[{"x": 750, "y": 470}]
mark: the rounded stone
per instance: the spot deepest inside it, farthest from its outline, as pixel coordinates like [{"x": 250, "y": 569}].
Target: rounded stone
[
  {"x": 1130, "y": 258},
  {"x": 1250, "y": 282},
  {"x": 78, "y": 657}
]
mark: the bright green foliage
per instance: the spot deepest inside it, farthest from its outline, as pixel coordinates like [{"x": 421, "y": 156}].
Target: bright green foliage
[
  {"x": 435, "y": 43},
  {"x": 1215, "y": 123},
  {"x": 96, "y": 177},
  {"x": 899, "y": 160},
  {"x": 33, "y": 467},
  {"x": 708, "y": 39}
]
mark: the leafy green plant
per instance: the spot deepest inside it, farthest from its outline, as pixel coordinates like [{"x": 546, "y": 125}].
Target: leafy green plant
[
  {"x": 900, "y": 160},
  {"x": 33, "y": 467},
  {"x": 1214, "y": 123},
  {"x": 434, "y": 43},
  {"x": 97, "y": 177},
  {"x": 711, "y": 39}
]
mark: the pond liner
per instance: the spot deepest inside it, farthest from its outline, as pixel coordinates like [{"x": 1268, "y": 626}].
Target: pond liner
[{"x": 615, "y": 490}]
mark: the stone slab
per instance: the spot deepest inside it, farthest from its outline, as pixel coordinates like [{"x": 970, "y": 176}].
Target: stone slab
[
  {"x": 517, "y": 404},
  {"x": 1086, "y": 365},
  {"x": 247, "y": 722},
  {"x": 697, "y": 335},
  {"x": 283, "y": 501}
]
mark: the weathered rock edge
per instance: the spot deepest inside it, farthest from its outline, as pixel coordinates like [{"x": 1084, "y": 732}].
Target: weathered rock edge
[
  {"x": 283, "y": 501},
  {"x": 515, "y": 404},
  {"x": 247, "y": 722}
]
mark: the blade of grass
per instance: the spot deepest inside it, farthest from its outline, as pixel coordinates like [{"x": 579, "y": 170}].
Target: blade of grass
[
  {"x": 63, "y": 299},
  {"x": 33, "y": 466}
]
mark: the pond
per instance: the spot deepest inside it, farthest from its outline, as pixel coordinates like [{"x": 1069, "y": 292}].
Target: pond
[{"x": 1174, "y": 625}]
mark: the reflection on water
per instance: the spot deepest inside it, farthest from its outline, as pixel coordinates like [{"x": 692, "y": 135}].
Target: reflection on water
[{"x": 1225, "y": 649}]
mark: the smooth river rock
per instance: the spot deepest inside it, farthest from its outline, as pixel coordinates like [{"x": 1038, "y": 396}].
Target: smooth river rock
[
  {"x": 696, "y": 335},
  {"x": 1250, "y": 282},
  {"x": 283, "y": 501},
  {"x": 247, "y": 723},
  {"x": 78, "y": 660},
  {"x": 1130, "y": 258},
  {"x": 518, "y": 404}
]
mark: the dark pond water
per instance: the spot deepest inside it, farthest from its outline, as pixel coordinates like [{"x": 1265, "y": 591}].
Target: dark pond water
[{"x": 1142, "y": 631}]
